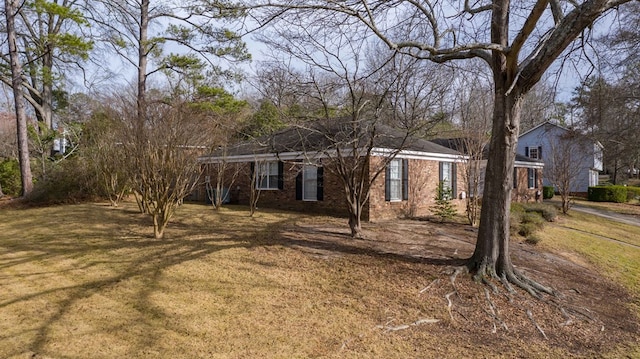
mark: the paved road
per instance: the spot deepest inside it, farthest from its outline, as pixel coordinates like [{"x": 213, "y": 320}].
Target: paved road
[{"x": 622, "y": 218}]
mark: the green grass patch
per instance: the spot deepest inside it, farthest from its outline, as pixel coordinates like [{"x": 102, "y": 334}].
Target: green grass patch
[{"x": 612, "y": 247}]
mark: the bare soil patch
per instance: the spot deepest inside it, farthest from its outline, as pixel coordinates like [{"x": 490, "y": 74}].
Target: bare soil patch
[{"x": 591, "y": 317}]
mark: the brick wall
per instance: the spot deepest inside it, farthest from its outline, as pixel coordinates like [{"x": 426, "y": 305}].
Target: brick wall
[
  {"x": 423, "y": 181},
  {"x": 333, "y": 202},
  {"x": 522, "y": 192}
]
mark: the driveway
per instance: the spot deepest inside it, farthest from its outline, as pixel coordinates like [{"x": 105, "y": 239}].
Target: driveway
[{"x": 618, "y": 217}]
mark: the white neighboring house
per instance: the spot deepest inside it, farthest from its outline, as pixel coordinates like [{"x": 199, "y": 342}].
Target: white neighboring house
[{"x": 563, "y": 150}]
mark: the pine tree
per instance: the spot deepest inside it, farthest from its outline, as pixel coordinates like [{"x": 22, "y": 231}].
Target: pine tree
[{"x": 443, "y": 207}]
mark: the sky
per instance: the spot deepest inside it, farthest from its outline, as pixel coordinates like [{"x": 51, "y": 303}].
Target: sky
[{"x": 121, "y": 72}]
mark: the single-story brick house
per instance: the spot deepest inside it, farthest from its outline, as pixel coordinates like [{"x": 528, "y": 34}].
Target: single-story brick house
[{"x": 295, "y": 170}]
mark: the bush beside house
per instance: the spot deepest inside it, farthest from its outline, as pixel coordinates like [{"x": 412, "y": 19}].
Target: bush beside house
[{"x": 617, "y": 194}]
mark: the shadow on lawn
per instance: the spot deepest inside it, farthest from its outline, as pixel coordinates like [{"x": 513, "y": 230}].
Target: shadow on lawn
[
  {"x": 91, "y": 246},
  {"x": 327, "y": 242}
]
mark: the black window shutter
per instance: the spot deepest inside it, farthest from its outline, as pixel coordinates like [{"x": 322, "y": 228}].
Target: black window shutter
[
  {"x": 526, "y": 151},
  {"x": 539, "y": 152},
  {"x": 515, "y": 177},
  {"x": 440, "y": 174},
  {"x": 454, "y": 180},
  {"x": 280, "y": 175},
  {"x": 387, "y": 186},
  {"x": 405, "y": 179},
  {"x": 320, "y": 180},
  {"x": 252, "y": 172},
  {"x": 299, "y": 185}
]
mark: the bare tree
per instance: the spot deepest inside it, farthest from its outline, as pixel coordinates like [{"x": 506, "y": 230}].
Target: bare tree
[
  {"x": 11, "y": 11},
  {"x": 218, "y": 190},
  {"x": 517, "y": 41},
  {"x": 104, "y": 150},
  {"x": 354, "y": 96},
  {"x": 473, "y": 111},
  {"x": 162, "y": 156},
  {"x": 538, "y": 105},
  {"x": 566, "y": 159}
]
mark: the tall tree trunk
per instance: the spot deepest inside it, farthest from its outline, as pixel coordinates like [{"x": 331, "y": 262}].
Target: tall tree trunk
[
  {"x": 491, "y": 256},
  {"x": 21, "y": 116},
  {"x": 47, "y": 88},
  {"x": 143, "y": 51}
]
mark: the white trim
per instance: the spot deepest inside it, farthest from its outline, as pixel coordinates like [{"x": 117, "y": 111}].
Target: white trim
[
  {"x": 260, "y": 157},
  {"x": 524, "y": 164},
  {"x": 419, "y": 155},
  {"x": 301, "y": 155}
]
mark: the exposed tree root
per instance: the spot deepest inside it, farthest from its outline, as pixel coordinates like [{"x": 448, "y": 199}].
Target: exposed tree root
[
  {"x": 532, "y": 287},
  {"x": 389, "y": 328},
  {"x": 429, "y": 286},
  {"x": 509, "y": 277},
  {"x": 513, "y": 282},
  {"x": 453, "y": 276},
  {"x": 530, "y": 315},
  {"x": 493, "y": 313},
  {"x": 450, "y": 304},
  {"x": 567, "y": 317},
  {"x": 567, "y": 313}
]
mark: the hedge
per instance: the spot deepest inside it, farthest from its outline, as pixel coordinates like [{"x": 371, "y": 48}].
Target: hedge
[
  {"x": 548, "y": 192},
  {"x": 633, "y": 193},
  {"x": 616, "y": 194}
]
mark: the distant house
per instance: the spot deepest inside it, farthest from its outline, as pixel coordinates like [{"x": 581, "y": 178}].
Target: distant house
[
  {"x": 566, "y": 153},
  {"x": 527, "y": 174},
  {"x": 295, "y": 170}
]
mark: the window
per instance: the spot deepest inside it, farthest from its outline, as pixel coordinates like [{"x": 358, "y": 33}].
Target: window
[
  {"x": 532, "y": 178},
  {"x": 448, "y": 177},
  {"x": 269, "y": 175},
  {"x": 310, "y": 183},
  {"x": 397, "y": 180},
  {"x": 535, "y": 153}
]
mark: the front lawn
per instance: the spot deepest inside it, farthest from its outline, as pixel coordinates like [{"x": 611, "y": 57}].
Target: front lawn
[{"x": 89, "y": 281}]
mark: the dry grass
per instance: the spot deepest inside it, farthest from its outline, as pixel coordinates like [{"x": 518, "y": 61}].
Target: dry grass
[
  {"x": 89, "y": 281},
  {"x": 612, "y": 247}
]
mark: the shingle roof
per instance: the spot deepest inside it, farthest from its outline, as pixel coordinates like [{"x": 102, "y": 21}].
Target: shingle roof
[{"x": 319, "y": 137}]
